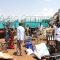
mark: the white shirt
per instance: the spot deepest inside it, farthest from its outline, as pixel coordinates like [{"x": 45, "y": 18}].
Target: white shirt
[
  {"x": 20, "y": 33},
  {"x": 57, "y": 33}
]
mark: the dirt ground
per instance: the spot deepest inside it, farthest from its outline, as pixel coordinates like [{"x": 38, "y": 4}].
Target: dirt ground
[{"x": 24, "y": 55}]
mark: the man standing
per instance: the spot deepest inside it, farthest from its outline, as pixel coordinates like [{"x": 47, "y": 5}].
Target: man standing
[
  {"x": 20, "y": 38},
  {"x": 57, "y": 36}
]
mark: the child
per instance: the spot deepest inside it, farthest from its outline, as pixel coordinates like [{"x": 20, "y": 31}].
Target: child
[{"x": 28, "y": 45}]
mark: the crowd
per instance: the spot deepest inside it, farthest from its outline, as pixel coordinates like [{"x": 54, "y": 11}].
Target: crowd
[{"x": 24, "y": 37}]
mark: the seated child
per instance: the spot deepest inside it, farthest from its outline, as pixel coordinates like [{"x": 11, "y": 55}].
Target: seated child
[{"x": 28, "y": 45}]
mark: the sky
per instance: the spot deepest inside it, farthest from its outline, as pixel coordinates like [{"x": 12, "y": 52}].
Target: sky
[{"x": 28, "y": 7}]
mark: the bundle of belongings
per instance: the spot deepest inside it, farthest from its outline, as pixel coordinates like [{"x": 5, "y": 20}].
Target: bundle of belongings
[
  {"x": 41, "y": 50},
  {"x": 5, "y": 56}
]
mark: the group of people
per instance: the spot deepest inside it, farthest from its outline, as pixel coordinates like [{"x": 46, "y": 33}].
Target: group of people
[
  {"x": 30, "y": 48},
  {"x": 55, "y": 34},
  {"x": 21, "y": 37},
  {"x": 9, "y": 37}
]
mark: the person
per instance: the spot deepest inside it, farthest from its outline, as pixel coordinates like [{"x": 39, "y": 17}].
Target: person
[
  {"x": 27, "y": 30},
  {"x": 6, "y": 36},
  {"x": 20, "y": 38},
  {"x": 50, "y": 32},
  {"x": 11, "y": 39},
  {"x": 28, "y": 44},
  {"x": 57, "y": 35}
]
